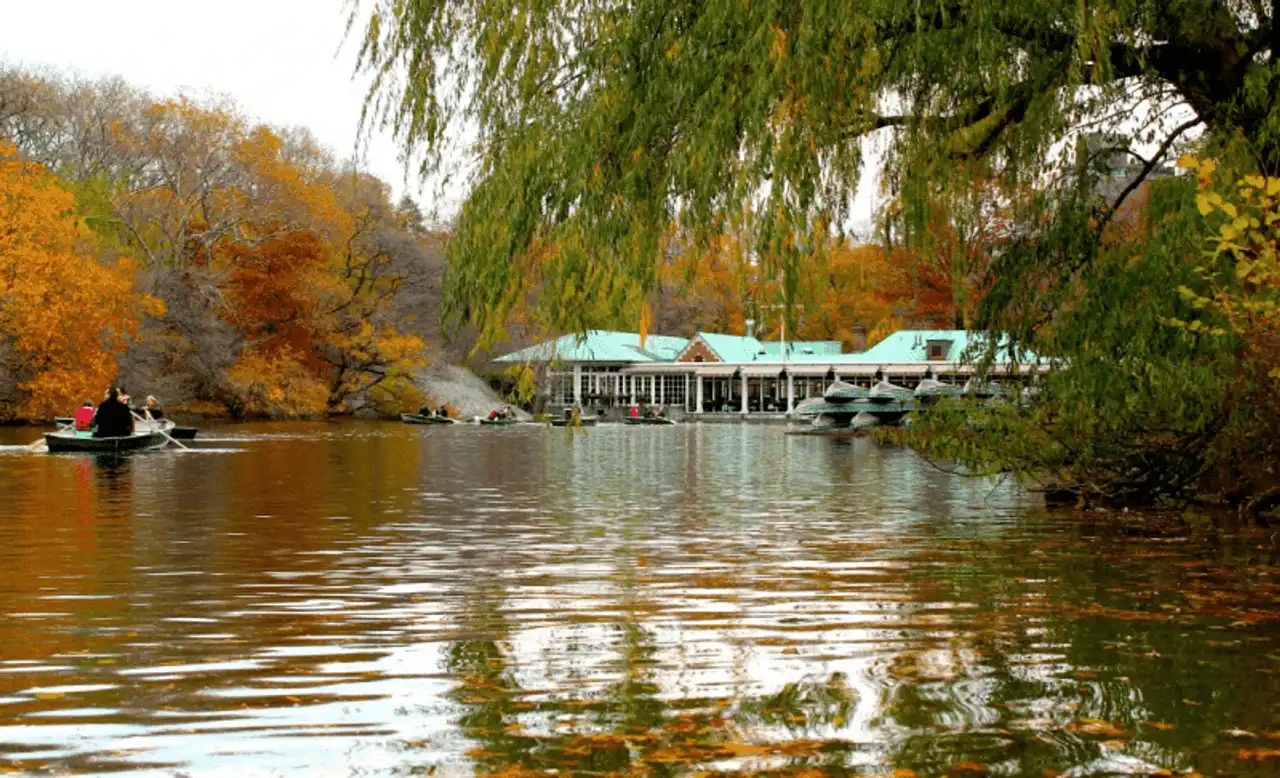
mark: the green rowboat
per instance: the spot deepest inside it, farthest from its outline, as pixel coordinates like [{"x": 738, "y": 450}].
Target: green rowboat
[
  {"x": 413, "y": 418},
  {"x": 72, "y": 442},
  {"x": 585, "y": 421}
]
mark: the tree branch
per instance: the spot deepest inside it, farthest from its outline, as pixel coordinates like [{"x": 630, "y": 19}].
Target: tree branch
[{"x": 1150, "y": 165}]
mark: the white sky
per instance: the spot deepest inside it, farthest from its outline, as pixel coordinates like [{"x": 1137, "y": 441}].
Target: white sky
[{"x": 284, "y": 62}]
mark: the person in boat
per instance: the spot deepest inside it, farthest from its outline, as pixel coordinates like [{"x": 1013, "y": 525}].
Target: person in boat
[
  {"x": 84, "y": 416},
  {"x": 635, "y": 411},
  {"x": 493, "y": 415},
  {"x": 424, "y": 410},
  {"x": 113, "y": 417},
  {"x": 443, "y": 411},
  {"x": 152, "y": 410}
]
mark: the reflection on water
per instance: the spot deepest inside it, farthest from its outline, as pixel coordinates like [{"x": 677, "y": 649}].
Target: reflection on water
[{"x": 358, "y": 599}]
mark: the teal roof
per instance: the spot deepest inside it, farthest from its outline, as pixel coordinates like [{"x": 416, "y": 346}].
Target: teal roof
[
  {"x": 601, "y": 346},
  {"x": 822, "y": 348},
  {"x": 912, "y": 346},
  {"x": 903, "y": 346},
  {"x": 733, "y": 348}
]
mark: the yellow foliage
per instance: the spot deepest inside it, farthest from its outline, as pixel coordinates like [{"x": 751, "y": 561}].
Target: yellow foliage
[
  {"x": 64, "y": 315},
  {"x": 278, "y": 384},
  {"x": 1248, "y": 236}
]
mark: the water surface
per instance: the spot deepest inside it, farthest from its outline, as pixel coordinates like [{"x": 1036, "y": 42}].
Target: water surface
[{"x": 376, "y": 599}]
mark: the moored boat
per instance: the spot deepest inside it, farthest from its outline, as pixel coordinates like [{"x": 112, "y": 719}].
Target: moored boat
[
  {"x": 932, "y": 387},
  {"x": 499, "y": 422},
  {"x": 415, "y": 418},
  {"x": 842, "y": 391},
  {"x": 585, "y": 421},
  {"x": 650, "y": 420},
  {"x": 70, "y": 441},
  {"x": 883, "y": 390}
]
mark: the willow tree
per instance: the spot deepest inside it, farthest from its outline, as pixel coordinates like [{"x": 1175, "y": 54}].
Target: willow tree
[{"x": 599, "y": 125}]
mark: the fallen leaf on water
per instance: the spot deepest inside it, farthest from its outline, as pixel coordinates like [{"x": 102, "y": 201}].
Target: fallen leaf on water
[
  {"x": 1258, "y": 753},
  {"x": 800, "y": 748},
  {"x": 1238, "y": 733},
  {"x": 48, "y": 695},
  {"x": 1097, "y": 727},
  {"x": 969, "y": 767},
  {"x": 744, "y": 749},
  {"x": 1160, "y": 725}
]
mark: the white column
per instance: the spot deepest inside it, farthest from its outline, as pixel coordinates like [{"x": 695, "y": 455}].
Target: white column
[
  {"x": 653, "y": 390},
  {"x": 577, "y": 384},
  {"x": 744, "y": 393},
  {"x": 791, "y": 393},
  {"x": 698, "y": 408},
  {"x": 631, "y": 383}
]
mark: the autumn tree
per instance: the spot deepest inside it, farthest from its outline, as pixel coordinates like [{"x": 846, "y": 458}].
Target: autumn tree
[
  {"x": 289, "y": 278},
  {"x": 65, "y": 315}
]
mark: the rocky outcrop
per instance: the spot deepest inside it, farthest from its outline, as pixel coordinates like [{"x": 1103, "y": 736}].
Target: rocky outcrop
[{"x": 461, "y": 388}]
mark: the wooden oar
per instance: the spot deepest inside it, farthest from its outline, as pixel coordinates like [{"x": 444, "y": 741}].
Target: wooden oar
[
  {"x": 35, "y": 446},
  {"x": 157, "y": 428}
]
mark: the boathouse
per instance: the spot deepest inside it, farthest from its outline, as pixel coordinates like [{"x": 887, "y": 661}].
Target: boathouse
[{"x": 713, "y": 373}]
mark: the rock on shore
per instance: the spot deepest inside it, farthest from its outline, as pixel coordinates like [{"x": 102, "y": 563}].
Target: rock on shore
[{"x": 460, "y": 388}]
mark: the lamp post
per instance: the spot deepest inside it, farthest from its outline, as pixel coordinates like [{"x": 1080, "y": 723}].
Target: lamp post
[{"x": 790, "y": 380}]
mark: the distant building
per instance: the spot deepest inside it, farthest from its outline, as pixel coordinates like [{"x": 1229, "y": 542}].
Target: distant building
[
  {"x": 712, "y": 373},
  {"x": 1111, "y": 158}
]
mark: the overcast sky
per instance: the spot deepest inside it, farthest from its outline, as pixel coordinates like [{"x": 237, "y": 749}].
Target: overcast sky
[{"x": 284, "y": 61}]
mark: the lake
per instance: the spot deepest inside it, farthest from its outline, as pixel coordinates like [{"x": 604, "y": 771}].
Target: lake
[{"x": 362, "y": 599}]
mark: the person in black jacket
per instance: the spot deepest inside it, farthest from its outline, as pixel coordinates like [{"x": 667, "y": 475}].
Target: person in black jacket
[{"x": 113, "y": 419}]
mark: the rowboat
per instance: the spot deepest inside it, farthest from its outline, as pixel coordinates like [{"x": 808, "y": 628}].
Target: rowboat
[
  {"x": 414, "y": 418},
  {"x": 638, "y": 420},
  {"x": 175, "y": 432},
  {"x": 70, "y": 441},
  {"x": 167, "y": 426},
  {"x": 585, "y": 421},
  {"x": 841, "y": 391}
]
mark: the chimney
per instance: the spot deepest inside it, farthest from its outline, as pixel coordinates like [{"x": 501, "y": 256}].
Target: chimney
[
  {"x": 859, "y": 338},
  {"x": 751, "y": 328}
]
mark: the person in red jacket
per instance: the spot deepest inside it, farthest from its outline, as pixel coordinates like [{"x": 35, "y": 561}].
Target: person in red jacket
[{"x": 84, "y": 417}]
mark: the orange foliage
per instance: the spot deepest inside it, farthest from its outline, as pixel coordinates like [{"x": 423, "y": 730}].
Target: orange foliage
[
  {"x": 271, "y": 290},
  {"x": 289, "y": 240},
  {"x": 841, "y": 293},
  {"x": 64, "y": 315}
]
